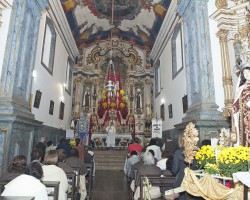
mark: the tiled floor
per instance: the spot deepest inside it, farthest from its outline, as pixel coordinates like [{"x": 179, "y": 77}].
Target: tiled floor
[{"x": 110, "y": 185}]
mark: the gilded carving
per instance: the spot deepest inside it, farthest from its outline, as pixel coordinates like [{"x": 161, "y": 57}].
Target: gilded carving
[
  {"x": 227, "y": 80},
  {"x": 244, "y": 31},
  {"x": 78, "y": 79},
  {"x": 222, "y": 35},
  {"x": 98, "y": 54},
  {"x": 221, "y": 4},
  {"x": 93, "y": 57}
]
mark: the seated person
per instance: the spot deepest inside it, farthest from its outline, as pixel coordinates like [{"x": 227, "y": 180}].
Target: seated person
[
  {"x": 157, "y": 150},
  {"x": 153, "y": 154},
  {"x": 148, "y": 168},
  {"x": 170, "y": 147},
  {"x": 61, "y": 162},
  {"x": 80, "y": 147},
  {"x": 63, "y": 144},
  {"x": 136, "y": 166},
  {"x": 132, "y": 160},
  {"x": 28, "y": 184},
  {"x": 50, "y": 146},
  {"x": 17, "y": 167},
  {"x": 51, "y": 172},
  {"x": 36, "y": 155},
  {"x": 74, "y": 161},
  {"x": 135, "y": 146}
]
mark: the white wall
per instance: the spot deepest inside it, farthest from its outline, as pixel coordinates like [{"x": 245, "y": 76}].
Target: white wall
[
  {"x": 216, "y": 57},
  {"x": 51, "y": 86},
  {"x": 4, "y": 32},
  {"x": 172, "y": 90}
]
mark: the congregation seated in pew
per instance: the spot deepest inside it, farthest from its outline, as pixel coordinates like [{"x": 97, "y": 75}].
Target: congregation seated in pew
[
  {"x": 53, "y": 173},
  {"x": 28, "y": 184},
  {"x": 17, "y": 167}
]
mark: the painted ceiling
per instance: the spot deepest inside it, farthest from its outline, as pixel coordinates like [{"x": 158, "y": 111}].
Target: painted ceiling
[{"x": 136, "y": 21}]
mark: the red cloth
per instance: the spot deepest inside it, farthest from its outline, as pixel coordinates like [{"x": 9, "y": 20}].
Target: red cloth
[{"x": 135, "y": 147}]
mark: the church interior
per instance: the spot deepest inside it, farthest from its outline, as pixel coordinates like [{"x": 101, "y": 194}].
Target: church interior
[{"x": 110, "y": 71}]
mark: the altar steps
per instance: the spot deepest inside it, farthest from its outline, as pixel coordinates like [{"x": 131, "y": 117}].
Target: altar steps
[{"x": 110, "y": 159}]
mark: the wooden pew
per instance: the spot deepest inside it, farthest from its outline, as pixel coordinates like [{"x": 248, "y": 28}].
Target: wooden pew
[
  {"x": 71, "y": 181},
  {"x": 55, "y": 186},
  {"x": 166, "y": 181},
  {"x": 89, "y": 176}
]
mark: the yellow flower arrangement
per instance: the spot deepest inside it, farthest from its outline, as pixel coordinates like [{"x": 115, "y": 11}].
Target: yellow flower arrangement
[
  {"x": 122, "y": 105},
  {"x": 113, "y": 104},
  {"x": 104, "y": 91},
  {"x": 104, "y": 104},
  {"x": 104, "y": 97},
  {"x": 212, "y": 168},
  {"x": 205, "y": 155},
  {"x": 124, "y": 98},
  {"x": 233, "y": 159},
  {"x": 122, "y": 92}
]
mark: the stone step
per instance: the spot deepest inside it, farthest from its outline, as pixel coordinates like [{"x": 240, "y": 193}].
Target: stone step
[
  {"x": 113, "y": 168},
  {"x": 110, "y": 159}
]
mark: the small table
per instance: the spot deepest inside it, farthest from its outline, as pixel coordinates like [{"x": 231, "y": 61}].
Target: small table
[{"x": 16, "y": 198}]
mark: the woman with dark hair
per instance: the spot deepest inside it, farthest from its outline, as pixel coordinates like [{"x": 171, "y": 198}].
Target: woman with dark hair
[
  {"x": 28, "y": 184},
  {"x": 80, "y": 147},
  {"x": 17, "y": 167},
  {"x": 53, "y": 173},
  {"x": 241, "y": 111}
]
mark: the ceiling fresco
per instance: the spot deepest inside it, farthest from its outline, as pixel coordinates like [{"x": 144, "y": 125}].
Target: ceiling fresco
[{"x": 136, "y": 21}]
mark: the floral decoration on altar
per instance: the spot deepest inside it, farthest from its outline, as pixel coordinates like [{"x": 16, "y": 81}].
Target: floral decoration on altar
[
  {"x": 98, "y": 141},
  {"x": 123, "y": 142}
]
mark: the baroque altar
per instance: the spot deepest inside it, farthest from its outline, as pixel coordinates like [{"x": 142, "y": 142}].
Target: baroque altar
[{"x": 129, "y": 105}]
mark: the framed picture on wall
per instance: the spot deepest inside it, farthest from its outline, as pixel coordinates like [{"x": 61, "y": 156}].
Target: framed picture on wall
[
  {"x": 51, "y": 107},
  {"x": 61, "y": 110},
  {"x": 162, "y": 112},
  {"x": 49, "y": 45},
  {"x": 37, "y": 99},
  {"x": 170, "y": 111},
  {"x": 185, "y": 103}
]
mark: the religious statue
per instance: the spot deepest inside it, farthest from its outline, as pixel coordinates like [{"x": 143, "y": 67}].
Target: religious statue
[
  {"x": 241, "y": 110},
  {"x": 111, "y": 130}
]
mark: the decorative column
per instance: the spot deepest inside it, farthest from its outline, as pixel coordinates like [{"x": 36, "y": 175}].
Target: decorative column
[
  {"x": 76, "y": 109},
  {"x": 16, "y": 80},
  {"x": 147, "y": 100},
  {"x": 202, "y": 109},
  {"x": 226, "y": 69}
]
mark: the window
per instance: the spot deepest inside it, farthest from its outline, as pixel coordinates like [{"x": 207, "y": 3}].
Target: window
[
  {"x": 68, "y": 77},
  {"x": 177, "y": 53},
  {"x": 49, "y": 43},
  {"x": 157, "y": 79}
]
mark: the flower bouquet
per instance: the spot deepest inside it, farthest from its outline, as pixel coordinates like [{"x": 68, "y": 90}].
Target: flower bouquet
[
  {"x": 98, "y": 141},
  {"x": 123, "y": 142}
]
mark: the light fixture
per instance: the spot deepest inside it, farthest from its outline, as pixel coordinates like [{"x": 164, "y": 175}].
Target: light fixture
[{"x": 34, "y": 74}]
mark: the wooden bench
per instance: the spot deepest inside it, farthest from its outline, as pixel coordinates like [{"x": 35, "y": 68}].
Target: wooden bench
[
  {"x": 166, "y": 181},
  {"x": 55, "y": 186},
  {"x": 72, "y": 182}
]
